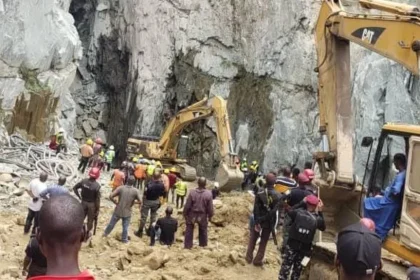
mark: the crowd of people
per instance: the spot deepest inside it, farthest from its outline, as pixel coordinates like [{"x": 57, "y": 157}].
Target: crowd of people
[{"x": 288, "y": 199}]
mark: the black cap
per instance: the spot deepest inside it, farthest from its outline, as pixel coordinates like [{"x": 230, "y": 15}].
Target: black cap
[
  {"x": 413, "y": 273},
  {"x": 359, "y": 250}
]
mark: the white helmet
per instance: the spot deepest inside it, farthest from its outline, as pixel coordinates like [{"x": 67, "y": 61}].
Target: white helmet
[
  {"x": 216, "y": 185},
  {"x": 111, "y": 147},
  {"x": 61, "y": 130}
]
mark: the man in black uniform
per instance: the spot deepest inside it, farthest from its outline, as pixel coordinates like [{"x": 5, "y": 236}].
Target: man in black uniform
[
  {"x": 294, "y": 197},
  {"x": 152, "y": 192},
  {"x": 168, "y": 226},
  {"x": 90, "y": 197},
  {"x": 305, "y": 222},
  {"x": 267, "y": 202}
]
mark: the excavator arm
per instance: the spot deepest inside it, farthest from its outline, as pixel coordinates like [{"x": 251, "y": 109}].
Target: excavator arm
[
  {"x": 228, "y": 174},
  {"x": 395, "y": 35}
]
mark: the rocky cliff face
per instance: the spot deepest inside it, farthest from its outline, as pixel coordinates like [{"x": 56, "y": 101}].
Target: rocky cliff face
[
  {"x": 38, "y": 49},
  {"x": 143, "y": 60}
]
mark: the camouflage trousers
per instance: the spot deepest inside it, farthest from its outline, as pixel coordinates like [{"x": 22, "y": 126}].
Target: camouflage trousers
[{"x": 292, "y": 261}]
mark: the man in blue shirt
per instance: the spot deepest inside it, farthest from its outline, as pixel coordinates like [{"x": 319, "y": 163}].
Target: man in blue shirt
[
  {"x": 55, "y": 189},
  {"x": 384, "y": 210}
]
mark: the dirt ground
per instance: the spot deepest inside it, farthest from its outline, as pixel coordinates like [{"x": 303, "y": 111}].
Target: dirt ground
[{"x": 107, "y": 258}]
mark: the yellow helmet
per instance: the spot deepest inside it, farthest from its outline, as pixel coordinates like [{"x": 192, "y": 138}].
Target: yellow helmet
[
  {"x": 173, "y": 169},
  {"x": 158, "y": 163},
  {"x": 166, "y": 171},
  {"x": 140, "y": 156},
  {"x": 101, "y": 154},
  {"x": 89, "y": 142},
  {"x": 135, "y": 159}
]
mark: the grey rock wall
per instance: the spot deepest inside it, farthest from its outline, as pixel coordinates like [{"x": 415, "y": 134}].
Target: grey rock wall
[
  {"x": 143, "y": 60},
  {"x": 38, "y": 36}
]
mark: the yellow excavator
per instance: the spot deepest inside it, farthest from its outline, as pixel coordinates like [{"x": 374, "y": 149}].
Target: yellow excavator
[
  {"x": 393, "y": 31},
  {"x": 171, "y": 147}
]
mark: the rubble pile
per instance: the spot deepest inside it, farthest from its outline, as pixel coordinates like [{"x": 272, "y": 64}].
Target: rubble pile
[{"x": 109, "y": 259}]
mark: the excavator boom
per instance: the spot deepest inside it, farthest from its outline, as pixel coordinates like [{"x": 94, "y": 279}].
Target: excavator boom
[
  {"x": 396, "y": 37},
  {"x": 166, "y": 149}
]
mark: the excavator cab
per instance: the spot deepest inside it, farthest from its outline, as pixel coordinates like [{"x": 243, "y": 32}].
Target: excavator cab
[
  {"x": 404, "y": 240},
  {"x": 182, "y": 149}
]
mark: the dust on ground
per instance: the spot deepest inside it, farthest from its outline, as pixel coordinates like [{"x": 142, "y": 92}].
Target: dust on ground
[{"x": 107, "y": 258}]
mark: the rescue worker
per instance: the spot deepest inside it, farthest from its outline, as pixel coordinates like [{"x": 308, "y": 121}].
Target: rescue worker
[
  {"x": 311, "y": 176},
  {"x": 293, "y": 198},
  {"x": 118, "y": 177},
  {"x": 266, "y": 203},
  {"x": 127, "y": 197},
  {"x": 109, "y": 157},
  {"x": 35, "y": 263},
  {"x": 358, "y": 253},
  {"x": 60, "y": 139},
  {"x": 86, "y": 152},
  {"x": 181, "y": 192},
  {"x": 172, "y": 181},
  {"x": 140, "y": 174},
  {"x": 198, "y": 210},
  {"x": 55, "y": 189},
  {"x": 62, "y": 214},
  {"x": 167, "y": 227},
  {"x": 295, "y": 173},
  {"x": 285, "y": 179},
  {"x": 244, "y": 165},
  {"x": 99, "y": 161},
  {"x": 35, "y": 188},
  {"x": 150, "y": 170},
  {"x": 97, "y": 148},
  {"x": 305, "y": 222},
  {"x": 385, "y": 210},
  {"x": 152, "y": 192},
  {"x": 253, "y": 171},
  {"x": 215, "y": 191},
  {"x": 165, "y": 180},
  {"x": 90, "y": 196}
]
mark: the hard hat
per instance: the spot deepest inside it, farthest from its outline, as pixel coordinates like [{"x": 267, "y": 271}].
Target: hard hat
[
  {"x": 216, "y": 184},
  {"x": 158, "y": 163},
  {"x": 153, "y": 162},
  {"x": 89, "y": 142},
  {"x": 111, "y": 147},
  {"x": 166, "y": 171},
  {"x": 135, "y": 159},
  {"x": 98, "y": 141},
  {"x": 312, "y": 200},
  {"x": 61, "y": 130},
  {"x": 101, "y": 154},
  {"x": 244, "y": 159},
  {"x": 302, "y": 178},
  {"x": 124, "y": 164},
  {"x": 94, "y": 173},
  {"x": 309, "y": 173},
  {"x": 140, "y": 156},
  {"x": 173, "y": 169},
  {"x": 254, "y": 162}
]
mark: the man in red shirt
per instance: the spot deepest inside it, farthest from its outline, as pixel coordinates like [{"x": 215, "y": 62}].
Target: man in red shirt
[{"x": 60, "y": 236}]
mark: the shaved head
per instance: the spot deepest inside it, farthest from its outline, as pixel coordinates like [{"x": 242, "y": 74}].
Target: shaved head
[
  {"x": 270, "y": 179},
  {"x": 131, "y": 180},
  {"x": 43, "y": 177},
  {"x": 169, "y": 210},
  {"x": 202, "y": 181},
  {"x": 62, "y": 180},
  {"x": 61, "y": 221}
]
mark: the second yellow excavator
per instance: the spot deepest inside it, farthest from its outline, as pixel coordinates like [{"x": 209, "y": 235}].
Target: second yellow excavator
[
  {"x": 394, "y": 32},
  {"x": 171, "y": 147}
]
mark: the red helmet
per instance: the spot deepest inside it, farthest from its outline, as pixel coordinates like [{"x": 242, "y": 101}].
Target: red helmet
[
  {"x": 309, "y": 173},
  {"x": 94, "y": 173},
  {"x": 98, "y": 141},
  {"x": 302, "y": 178}
]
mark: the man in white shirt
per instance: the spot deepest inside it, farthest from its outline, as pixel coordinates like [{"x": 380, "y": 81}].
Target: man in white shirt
[{"x": 36, "y": 186}]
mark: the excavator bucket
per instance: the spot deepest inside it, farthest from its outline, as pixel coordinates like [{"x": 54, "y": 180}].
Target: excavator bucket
[{"x": 229, "y": 178}]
